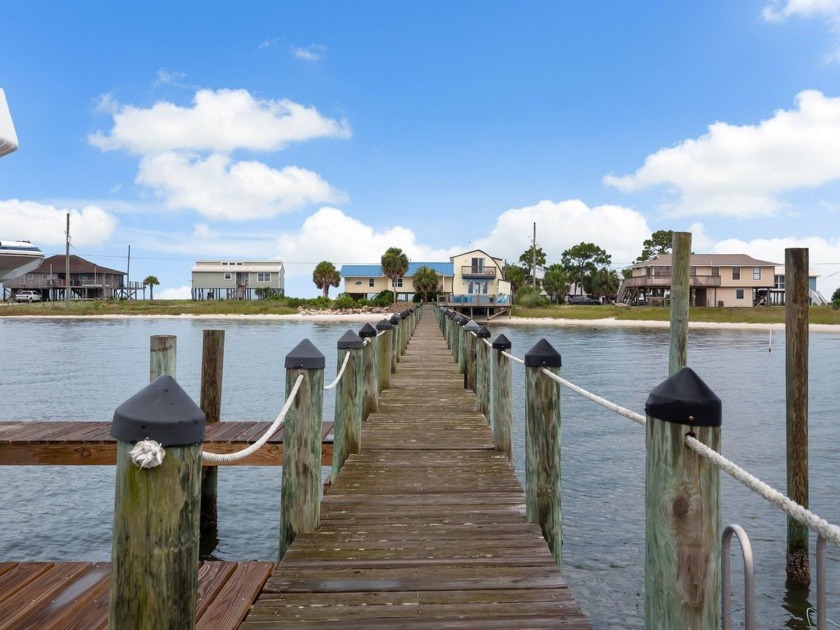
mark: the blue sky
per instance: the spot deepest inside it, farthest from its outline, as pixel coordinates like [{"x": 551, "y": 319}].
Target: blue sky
[{"x": 314, "y": 130}]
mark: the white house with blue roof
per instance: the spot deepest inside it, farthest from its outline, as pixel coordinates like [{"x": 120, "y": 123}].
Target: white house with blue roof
[
  {"x": 470, "y": 279},
  {"x": 367, "y": 280}
]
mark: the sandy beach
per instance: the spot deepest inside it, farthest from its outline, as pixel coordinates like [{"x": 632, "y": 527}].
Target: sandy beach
[{"x": 504, "y": 321}]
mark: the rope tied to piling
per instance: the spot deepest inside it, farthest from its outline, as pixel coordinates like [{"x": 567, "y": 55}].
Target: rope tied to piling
[
  {"x": 790, "y": 507},
  {"x": 340, "y": 373},
  {"x": 218, "y": 458},
  {"x": 147, "y": 454}
]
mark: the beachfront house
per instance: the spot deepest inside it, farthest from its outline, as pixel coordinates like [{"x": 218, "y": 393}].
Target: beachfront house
[
  {"x": 777, "y": 293},
  {"x": 469, "y": 282},
  {"x": 715, "y": 280},
  {"x": 478, "y": 278},
  {"x": 237, "y": 279},
  {"x": 88, "y": 281},
  {"x": 365, "y": 281}
]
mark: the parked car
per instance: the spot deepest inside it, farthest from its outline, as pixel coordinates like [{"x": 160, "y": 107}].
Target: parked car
[
  {"x": 583, "y": 299},
  {"x": 27, "y": 296}
]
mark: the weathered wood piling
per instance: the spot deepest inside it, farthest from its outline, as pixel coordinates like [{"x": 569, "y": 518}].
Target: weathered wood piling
[
  {"x": 212, "y": 370},
  {"x": 300, "y": 495},
  {"x": 682, "y": 506},
  {"x": 796, "y": 408},
  {"x": 156, "y": 511},
  {"x": 542, "y": 444}
]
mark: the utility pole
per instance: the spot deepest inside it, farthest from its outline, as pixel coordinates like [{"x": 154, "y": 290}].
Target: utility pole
[
  {"x": 128, "y": 276},
  {"x": 534, "y": 258},
  {"x": 67, "y": 266}
]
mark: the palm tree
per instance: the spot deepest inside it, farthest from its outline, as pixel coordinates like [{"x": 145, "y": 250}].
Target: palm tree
[
  {"x": 425, "y": 281},
  {"x": 151, "y": 282},
  {"x": 326, "y": 276},
  {"x": 394, "y": 265}
]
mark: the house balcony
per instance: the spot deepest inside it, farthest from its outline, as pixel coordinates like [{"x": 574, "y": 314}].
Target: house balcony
[
  {"x": 468, "y": 272},
  {"x": 664, "y": 281}
]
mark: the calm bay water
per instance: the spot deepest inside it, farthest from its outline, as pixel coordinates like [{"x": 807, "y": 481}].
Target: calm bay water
[{"x": 83, "y": 369}]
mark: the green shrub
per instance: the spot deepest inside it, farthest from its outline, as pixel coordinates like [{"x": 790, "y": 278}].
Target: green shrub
[
  {"x": 835, "y": 298},
  {"x": 530, "y": 298},
  {"x": 385, "y": 298},
  {"x": 344, "y": 302}
]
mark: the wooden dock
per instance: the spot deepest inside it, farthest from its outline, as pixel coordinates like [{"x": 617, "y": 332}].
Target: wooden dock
[
  {"x": 75, "y": 595},
  {"x": 425, "y": 528},
  {"x": 91, "y": 444}
]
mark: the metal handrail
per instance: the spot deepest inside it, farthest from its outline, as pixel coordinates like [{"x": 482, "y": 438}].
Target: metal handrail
[{"x": 749, "y": 577}]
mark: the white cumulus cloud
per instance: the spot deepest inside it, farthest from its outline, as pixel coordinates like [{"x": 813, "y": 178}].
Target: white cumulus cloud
[
  {"x": 780, "y": 10},
  {"x": 330, "y": 234},
  {"x": 823, "y": 255},
  {"x": 218, "y": 121},
  {"x": 221, "y": 188},
  {"x": 45, "y": 224},
  {"x": 618, "y": 230},
  {"x": 184, "y": 292},
  {"x": 744, "y": 171}
]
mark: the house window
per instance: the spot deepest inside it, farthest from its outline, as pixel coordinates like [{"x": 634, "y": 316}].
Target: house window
[
  {"x": 263, "y": 276},
  {"x": 693, "y": 272},
  {"x": 756, "y": 273},
  {"x": 739, "y": 294},
  {"x": 779, "y": 283},
  {"x": 371, "y": 282},
  {"x": 736, "y": 273},
  {"x": 227, "y": 275},
  {"x": 477, "y": 265},
  {"x": 398, "y": 283},
  {"x": 715, "y": 271}
]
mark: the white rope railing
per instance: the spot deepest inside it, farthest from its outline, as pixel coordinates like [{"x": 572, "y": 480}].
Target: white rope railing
[
  {"x": 513, "y": 358},
  {"x": 790, "y": 507},
  {"x": 622, "y": 411},
  {"x": 224, "y": 458},
  {"x": 340, "y": 373}
]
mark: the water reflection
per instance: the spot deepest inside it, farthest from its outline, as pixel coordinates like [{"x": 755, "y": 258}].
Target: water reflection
[{"x": 83, "y": 369}]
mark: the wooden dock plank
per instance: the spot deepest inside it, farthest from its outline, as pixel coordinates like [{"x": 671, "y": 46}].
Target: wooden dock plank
[
  {"x": 76, "y": 595},
  {"x": 228, "y": 609},
  {"x": 90, "y": 443},
  {"x": 425, "y": 528}
]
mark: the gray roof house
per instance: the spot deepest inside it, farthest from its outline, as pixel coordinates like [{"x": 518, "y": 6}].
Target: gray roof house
[{"x": 236, "y": 279}]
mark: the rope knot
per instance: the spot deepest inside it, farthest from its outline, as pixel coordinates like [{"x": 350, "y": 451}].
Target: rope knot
[{"x": 147, "y": 454}]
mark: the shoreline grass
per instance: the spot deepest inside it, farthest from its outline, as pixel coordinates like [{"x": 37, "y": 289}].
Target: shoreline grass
[
  {"x": 760, "y": 315},
  {"x": 725, "y": 315}
]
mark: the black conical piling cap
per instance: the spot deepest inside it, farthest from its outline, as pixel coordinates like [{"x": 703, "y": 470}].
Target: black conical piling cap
[
  {"x": 405, "y": 314},
  {"x": 367, "y": 331},
  {"x": 161, "y": 411},
  {"x": 350, "y": 341},
  {"x": 384, "y": 325},
  {"x": 395, "y": 319},
  {"x": 305, "y": 356},
  {"x": 542, "y": 354},
  {"x": 462, "y": 320},
  {"x": 483, "y": 333},
  {"x": 501, "y": 343},
  {"x": 471, "y": 326},
  {"x": 684, "y": 398}
]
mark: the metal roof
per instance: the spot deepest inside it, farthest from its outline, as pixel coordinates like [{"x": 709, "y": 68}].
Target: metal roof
[
  {"x": 215, "y": 266},
  {"x": 56, "y": 264},
  {"x": 374, "y": 270},
  {"x": 710, "y": 260}
]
